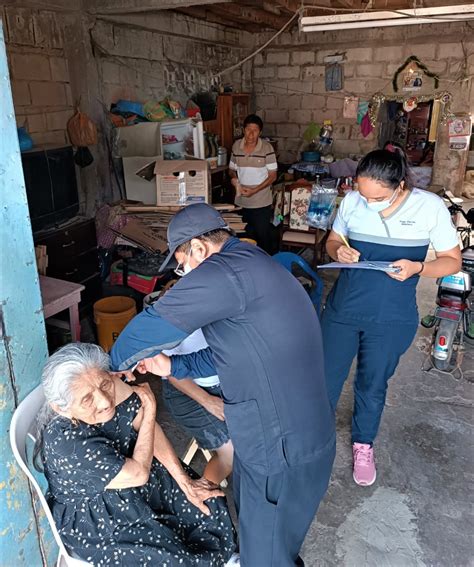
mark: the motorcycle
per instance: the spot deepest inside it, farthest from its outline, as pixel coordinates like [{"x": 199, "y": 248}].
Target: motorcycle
[{"x": 453, "y": 318}]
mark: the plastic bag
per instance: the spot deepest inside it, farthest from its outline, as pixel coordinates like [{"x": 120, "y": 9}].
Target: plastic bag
[
  {"x": 26, "y": 143},
  {"x": 83, "y": 157},
  {"x": 157, "y": 111},
  {"x": 321, "y": 206},
  {"x": 82, "y": 131},
  {"x": 176, "y": 108}
]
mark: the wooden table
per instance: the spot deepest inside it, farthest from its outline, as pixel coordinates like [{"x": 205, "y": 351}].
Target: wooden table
[{"x": 59, "y": 295}]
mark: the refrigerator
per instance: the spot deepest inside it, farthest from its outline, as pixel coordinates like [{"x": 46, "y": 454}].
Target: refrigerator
[{"x": 143, "y": 143}]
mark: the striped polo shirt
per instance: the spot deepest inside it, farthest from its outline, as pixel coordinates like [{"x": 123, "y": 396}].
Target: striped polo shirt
[
  {"x": 252, "y": 169},
  {"x": 366, "y": 295}
]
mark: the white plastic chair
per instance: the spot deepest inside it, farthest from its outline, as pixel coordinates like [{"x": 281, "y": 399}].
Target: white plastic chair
[{"x": 23, "y": 426}]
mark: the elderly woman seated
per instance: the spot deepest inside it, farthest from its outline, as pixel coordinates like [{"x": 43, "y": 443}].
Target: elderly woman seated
[{"x": 119, "y": 494}]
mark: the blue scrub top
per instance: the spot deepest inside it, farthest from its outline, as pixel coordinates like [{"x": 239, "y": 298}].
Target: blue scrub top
[
  {"x": 265, "y": 342},
  {"x": 373, "y": 297}
]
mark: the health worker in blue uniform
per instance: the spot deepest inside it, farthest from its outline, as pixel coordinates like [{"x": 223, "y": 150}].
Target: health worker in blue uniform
[
  {"x": 373, "y": 315},
  {"x": 266, "y": 346}
]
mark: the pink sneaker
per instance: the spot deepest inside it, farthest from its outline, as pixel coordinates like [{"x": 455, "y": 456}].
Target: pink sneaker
[{"x": 364, "y": 472}]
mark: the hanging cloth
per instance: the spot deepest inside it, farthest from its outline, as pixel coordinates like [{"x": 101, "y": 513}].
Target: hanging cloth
[
  {"x": 362, "y": 110},
  {"x": 366, "y": 126}
]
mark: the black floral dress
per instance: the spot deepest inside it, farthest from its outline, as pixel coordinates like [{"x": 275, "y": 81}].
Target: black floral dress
[{"x": 151, "y": 525}]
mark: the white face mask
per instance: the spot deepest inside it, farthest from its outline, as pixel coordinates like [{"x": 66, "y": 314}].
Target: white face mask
[
  {"x": 379, "y": 206},
  {"x": 185, "y": 267}
]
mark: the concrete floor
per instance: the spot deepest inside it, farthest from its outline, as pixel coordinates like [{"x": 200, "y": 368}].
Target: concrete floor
[{"x": 419, "y": 511}]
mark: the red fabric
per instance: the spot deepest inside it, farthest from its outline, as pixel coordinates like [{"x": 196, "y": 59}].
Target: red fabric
[{"x": 366, "y": 126}]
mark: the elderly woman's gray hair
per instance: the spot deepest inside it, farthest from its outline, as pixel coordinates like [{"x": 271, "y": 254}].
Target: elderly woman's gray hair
[{"x": 59, "y": 373}]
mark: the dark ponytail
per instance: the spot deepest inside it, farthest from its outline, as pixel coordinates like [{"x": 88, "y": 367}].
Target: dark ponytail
[{"x": 388, "y": 166}]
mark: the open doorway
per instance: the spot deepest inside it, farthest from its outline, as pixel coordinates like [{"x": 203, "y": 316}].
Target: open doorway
[{"x": 414, "y": 130}]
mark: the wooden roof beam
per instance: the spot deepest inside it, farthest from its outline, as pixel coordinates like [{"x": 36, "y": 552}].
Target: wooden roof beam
[
  {"x": 290, "y": 5},
  {"x": 117, "y": 7},
  {"x": 216, "y": 18},
  {"x": 255, "y": 16}
]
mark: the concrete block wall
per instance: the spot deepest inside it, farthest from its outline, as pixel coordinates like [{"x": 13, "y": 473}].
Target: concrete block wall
[
  {"x": 39, "y": 72},
  {"x": 289, "y": 86},
  {"x": 170, "y": 55}
]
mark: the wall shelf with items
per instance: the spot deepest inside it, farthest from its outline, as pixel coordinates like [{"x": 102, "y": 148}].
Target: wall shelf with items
[{"x": 232, "y": 109}]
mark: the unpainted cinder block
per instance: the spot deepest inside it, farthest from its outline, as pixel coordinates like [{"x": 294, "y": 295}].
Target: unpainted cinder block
[
  {"x": 302, "y": 57},
  {"x": 289, "y": 72},
  {"x": 278, "y": 58},
  {"x": 59, "y": 70},
  {"x": 19, "y": 23},
  {"x": 47, "y": 94},
  {"x": 30, "y": 66},
  {"x": 21, "y": 93},
  {"x": 58, "y": 120}
]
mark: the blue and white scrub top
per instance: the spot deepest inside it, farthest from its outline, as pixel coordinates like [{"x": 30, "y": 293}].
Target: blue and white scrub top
[{"x": 367, "y": 295}]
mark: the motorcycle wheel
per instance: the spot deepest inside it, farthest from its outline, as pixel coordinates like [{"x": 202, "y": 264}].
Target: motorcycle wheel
[{"x": 449, "y": 329}]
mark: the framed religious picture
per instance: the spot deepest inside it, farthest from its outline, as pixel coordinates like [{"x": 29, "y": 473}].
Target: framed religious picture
[
  {"x": 412, "y": 80},
  {"x": 459, "y": 126}
]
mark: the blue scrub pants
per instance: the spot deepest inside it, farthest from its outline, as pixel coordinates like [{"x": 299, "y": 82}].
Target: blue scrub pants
[
  {"x": 276, "y": 511},
  {"x": 378, "y": 348}
]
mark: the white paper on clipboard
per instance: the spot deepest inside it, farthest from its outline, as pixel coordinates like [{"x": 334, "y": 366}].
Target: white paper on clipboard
[{"x": 378, "y": 266}]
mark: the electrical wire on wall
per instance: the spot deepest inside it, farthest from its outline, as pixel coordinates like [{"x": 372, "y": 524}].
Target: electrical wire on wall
[
  {"x": 262, "y": 47},
  {"x": 339, "y": 95}
]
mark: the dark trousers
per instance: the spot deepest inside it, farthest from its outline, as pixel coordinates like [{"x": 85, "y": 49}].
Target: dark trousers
[
  {"x": 276, "y": 511},
  {"x": 259, "y": 226},
  {"x": 378, "y": 348}
]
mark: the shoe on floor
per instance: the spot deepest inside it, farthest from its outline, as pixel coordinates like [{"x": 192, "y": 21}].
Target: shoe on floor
[
  {"x": 234, "y": 561},
  {"x": 364, "y": 472}
]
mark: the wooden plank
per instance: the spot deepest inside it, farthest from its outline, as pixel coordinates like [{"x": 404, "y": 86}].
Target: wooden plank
[
  {"x": 247, "y": 15},
  {"x": 104, "y": 7},
  {"x": 216, "y": 17},
  {"x": 290, "y": 5},
  {"x": 25, "y": 538}
]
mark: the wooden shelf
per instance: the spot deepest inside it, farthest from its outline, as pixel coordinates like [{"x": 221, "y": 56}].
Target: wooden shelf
[
  {"x": 227, "y": 117},
  {"x": 218, "y": 169}
]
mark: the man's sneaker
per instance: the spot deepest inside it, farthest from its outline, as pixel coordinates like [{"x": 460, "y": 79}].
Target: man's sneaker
[{"x": 364, "y": 472}]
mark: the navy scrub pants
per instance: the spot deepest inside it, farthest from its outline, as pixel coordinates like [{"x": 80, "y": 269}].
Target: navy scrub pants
[
  {"x": 378, "y": 348},
  {"x": 276, "y": 511}
]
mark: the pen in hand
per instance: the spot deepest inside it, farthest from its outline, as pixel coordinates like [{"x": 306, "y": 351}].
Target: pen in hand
[{"x": 346, "y": 243}]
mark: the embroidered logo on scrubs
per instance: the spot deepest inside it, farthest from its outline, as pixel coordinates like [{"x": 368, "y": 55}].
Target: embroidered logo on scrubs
[{"x": 407, "y": 222}]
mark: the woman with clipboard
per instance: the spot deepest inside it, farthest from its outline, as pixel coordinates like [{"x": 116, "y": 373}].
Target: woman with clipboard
[{"x": 370, "y": 314}]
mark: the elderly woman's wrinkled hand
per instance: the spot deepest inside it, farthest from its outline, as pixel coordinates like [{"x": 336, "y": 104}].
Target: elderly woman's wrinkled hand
[
  {"x": 147, "y": 397},
  {"x": 199, "y": 490}
]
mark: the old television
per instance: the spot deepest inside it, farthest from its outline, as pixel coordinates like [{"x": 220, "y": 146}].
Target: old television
[{"x": 51, "y": 186}]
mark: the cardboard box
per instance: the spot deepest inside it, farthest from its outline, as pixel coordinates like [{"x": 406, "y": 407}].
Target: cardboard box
[
  {"x": 178, "y": 182},
  {"x": 182, "y": 182},
  {"x": 145, "y": 236},
  {"x": 138, "y": 188}
]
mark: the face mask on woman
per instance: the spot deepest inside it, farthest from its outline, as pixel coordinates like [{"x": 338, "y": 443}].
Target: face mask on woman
[{"x": 379, "y": 206}]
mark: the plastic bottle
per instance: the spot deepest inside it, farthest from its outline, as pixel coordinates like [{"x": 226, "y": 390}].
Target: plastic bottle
[{"x": 325, "y": 137}]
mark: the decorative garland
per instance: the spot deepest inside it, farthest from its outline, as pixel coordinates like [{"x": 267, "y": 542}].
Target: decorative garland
[
  {"x": 443, "y": 97},
  {"x": 420, "y": 65}
]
